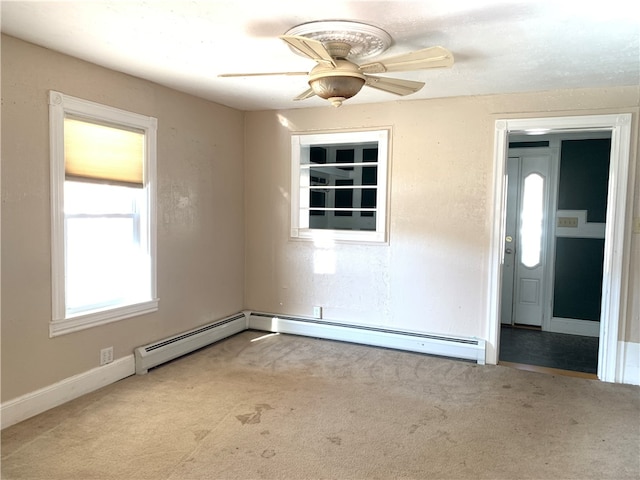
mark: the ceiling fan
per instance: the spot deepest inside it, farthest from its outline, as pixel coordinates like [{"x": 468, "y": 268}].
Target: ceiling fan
[{"x": 337, "y": 46}]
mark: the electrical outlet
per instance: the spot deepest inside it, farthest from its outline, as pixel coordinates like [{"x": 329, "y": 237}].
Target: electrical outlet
[
  {"x": 317, "y": 312},
  {"x": 106, "y": 355}
]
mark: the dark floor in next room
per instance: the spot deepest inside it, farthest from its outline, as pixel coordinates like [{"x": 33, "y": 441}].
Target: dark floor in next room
[{"x": 546, "y": 349}]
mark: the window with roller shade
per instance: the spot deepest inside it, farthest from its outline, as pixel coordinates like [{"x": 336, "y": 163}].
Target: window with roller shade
[{"x": 103, "y": 213}]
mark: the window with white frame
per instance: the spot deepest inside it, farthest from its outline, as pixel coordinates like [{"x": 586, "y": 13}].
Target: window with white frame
[
  {"x": 339, "y": 186},
  {"x": 103, "y": 213}
]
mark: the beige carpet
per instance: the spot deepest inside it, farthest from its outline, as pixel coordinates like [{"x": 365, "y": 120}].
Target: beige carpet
[{"x": 278, "y": 406}]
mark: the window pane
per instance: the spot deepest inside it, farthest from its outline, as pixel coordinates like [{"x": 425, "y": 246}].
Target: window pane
[
  {"x": 369, "y": 198},
  {"x": 367, "y": 221},
  {"x": 345, "y": 155},
  {"x": 326, "y": 220},
  {"x": 94, "y": 198},
  {"x": 370, "y": 154},
  {"x": 531, "y": 218},
  {"x": 318, "y": 155},
  {"x": 344, "y": 198},
  {"x": 318, "y": 199},
  {"x": 318, "y": 177},
  {"x": 340, "y": 153},
  {"x": 104, "y": 263},
  {"x": 369, "y": 175}
]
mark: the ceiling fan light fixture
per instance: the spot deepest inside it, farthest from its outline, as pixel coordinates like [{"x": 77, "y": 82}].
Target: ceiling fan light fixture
[
  {"x": 342, "y": 87},
  {"x": 336, "y": 84}
]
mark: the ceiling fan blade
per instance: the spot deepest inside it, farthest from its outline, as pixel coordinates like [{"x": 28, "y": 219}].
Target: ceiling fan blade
[
  {"x": 261, "y": 74},
  {"x": 313, "y": 49},
  {"x": 304, "y": 95},
  {"x": 432, "y": 57},
  {"x": 394, "y": 85}
]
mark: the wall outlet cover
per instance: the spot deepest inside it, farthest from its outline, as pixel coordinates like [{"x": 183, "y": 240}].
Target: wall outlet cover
[{"x": 106, "y": 355}]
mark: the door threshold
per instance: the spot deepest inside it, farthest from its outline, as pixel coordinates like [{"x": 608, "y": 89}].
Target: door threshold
[
  {"x": 549, "y": 370},
  {"x": 527, "y": 327}
]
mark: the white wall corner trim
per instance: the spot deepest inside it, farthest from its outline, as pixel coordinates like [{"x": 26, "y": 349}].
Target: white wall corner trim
[
  {"x": 33, "y": 403},
  {"x": 630, "y": 362}
]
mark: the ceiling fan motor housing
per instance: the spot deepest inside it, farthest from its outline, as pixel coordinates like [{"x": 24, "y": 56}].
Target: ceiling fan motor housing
[{"x": 341, "y": 82}]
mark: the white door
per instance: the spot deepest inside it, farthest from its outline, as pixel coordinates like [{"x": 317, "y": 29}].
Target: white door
[{"x": 526, "y": 244}]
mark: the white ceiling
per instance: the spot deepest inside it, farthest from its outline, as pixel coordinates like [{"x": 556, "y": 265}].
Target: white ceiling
[{"x": 499, "y": 46}]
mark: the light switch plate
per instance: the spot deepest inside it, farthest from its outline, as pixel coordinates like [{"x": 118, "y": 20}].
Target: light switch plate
[{"x": 568, "y": 222}]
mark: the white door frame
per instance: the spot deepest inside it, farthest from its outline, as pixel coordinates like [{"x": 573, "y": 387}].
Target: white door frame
[{"x": 615, "y": 274}]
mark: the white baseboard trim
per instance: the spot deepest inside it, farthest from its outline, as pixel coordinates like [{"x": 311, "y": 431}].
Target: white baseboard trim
[
  {"x": 33, "y": 403},
  {"x": 456, "y": 347},
  {"x": 629, "y": 362}
]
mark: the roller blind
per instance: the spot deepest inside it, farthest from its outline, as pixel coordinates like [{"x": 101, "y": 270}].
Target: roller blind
[{"x": 102, "y": 153}]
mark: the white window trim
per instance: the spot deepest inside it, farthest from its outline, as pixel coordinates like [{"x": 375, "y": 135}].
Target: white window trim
[
  {"x": 380, "y": 235},
  {"x": 59, "y": 105}
]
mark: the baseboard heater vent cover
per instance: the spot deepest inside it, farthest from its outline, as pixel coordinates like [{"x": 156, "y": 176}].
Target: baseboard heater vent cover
[
  {"x": 173, "y": 347},
  {"x": 433, "y": 344}
]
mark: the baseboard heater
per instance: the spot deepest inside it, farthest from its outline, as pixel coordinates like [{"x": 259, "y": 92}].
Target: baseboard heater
[
  {"x": 160, "y": 352},
  {"x": 448, "y": 346}
]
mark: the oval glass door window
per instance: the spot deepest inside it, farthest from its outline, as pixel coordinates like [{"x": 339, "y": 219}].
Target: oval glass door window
[{"x": 531, "y": 220}]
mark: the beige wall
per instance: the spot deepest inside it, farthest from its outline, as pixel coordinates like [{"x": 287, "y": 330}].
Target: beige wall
[
  {"x": 433, "y": 276},
  {"x": 200, "y": 212}
]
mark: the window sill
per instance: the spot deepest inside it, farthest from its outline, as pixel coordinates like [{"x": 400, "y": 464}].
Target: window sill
[
  {"x": 339, "y": 236},
  {"x": 81, "y": 322}
]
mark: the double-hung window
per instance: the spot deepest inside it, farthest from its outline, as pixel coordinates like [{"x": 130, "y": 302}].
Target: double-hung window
[
  {"x": 339, "y": 186},
  {"x": 103, "y": 213}
]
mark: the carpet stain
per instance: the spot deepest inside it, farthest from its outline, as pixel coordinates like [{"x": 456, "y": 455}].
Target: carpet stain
[
  {"x": 335, "y": 440},
  {"x": 427, "y": 418},
  {"x": 200, "y": 434},
  {"x": 506, "y": 386},
  {"x": 443, "y": 412},
  {"x": 269, "y": 453},
  {"x": 254, "y": 417},
  {"x": 446, "y": 436}
]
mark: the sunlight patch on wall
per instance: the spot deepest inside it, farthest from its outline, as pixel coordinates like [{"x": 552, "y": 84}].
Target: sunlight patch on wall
[{"x": 324, "y": 255}]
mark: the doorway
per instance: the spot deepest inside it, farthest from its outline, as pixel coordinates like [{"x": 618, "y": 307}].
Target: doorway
[
  {"x": 615, "y": 248},
  {"x": 556, "y": 206}
]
